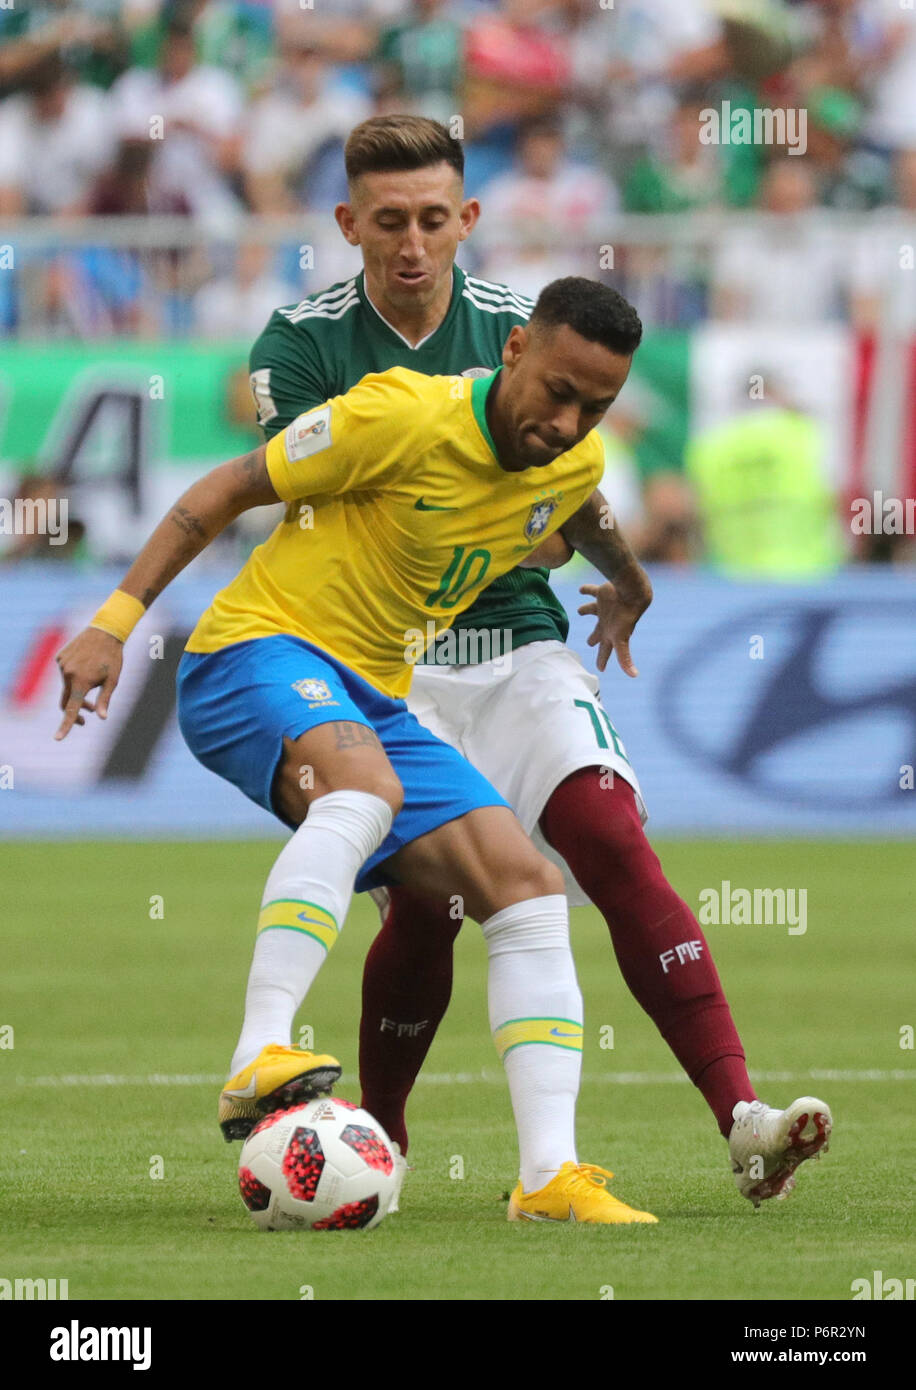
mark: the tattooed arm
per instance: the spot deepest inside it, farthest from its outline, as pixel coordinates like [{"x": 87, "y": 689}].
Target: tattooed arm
[
  {"x": 196, "y": 519},
  {"x": 93, "y": 658},
  {"x": 618, "y": 604},
  {"x": 594, "y": 532}
]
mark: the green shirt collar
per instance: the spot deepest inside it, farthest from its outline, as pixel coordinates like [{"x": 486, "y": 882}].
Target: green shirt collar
[
  {"x": 480, "y": 389},
  {"x": 377, "y": 321}
]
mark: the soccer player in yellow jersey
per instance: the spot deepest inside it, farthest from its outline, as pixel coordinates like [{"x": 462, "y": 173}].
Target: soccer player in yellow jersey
[{"x": 406, "y": 496}]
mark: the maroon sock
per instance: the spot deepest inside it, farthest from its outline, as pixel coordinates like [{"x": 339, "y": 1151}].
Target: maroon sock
[
  {"x": 407, "y": 983},
  {"x": 660, "y": 946}
]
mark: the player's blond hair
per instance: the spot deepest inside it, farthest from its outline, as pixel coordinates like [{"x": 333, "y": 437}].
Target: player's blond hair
[{"x": 386, "y": 144}]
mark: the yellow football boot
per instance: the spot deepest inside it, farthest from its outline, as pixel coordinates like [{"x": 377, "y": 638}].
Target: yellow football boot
[
  {"x": 577, "y": 1193},
  {"x": 278, "y": 1078}
]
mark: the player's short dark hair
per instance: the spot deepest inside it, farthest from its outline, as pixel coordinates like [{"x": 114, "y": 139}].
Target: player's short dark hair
[
  {"x": 593, "y": 310},
  {"x": 388, "y": 144}
]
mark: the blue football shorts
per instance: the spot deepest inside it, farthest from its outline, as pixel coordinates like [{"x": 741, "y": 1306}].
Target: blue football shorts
[{"x": 236, "y": 705}]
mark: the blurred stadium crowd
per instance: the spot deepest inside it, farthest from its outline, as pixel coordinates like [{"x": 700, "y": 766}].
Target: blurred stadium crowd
[
  {"x": 210, "y": 132},
  {"x": 573, "y": 114}
]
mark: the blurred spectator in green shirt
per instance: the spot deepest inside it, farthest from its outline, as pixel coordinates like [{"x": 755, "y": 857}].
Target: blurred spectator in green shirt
[{"x": 422, "y": 61}]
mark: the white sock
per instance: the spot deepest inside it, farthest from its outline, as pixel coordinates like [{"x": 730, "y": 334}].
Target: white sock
[
  {"x": 303, "y": 908},
  {"x": 536, "y": 1021}
]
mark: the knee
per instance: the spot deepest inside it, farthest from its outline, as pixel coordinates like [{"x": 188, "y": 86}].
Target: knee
[
  {"x": 615, "y": 845},
  {"x": 385, "y": 784},
  {"x": 621, "y": 839},
  {"x": 298, "y": 783},
  {"x": 381, "y": 782},
  {"x": 535, "y": 877}
]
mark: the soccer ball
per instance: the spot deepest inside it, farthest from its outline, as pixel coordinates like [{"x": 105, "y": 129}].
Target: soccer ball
[{"x": 323, "y": 1166}]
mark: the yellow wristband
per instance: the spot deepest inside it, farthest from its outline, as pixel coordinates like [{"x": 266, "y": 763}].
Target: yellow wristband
[{"x": 119, "y": 615}]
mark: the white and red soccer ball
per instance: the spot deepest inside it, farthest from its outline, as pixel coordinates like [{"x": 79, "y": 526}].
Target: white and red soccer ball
[{"x": 323, "y": 1166}]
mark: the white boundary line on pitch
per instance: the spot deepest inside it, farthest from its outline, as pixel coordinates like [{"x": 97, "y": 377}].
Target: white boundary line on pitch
[{"x": 459, "y": 1078}]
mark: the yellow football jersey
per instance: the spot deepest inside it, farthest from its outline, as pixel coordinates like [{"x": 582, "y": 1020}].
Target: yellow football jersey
[{"x": 399, "y": 516}]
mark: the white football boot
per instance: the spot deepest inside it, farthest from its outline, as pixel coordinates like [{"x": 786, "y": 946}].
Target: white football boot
[
  {"x": 767, "y": 1145},
  {"x": 400, "y": 1173}
]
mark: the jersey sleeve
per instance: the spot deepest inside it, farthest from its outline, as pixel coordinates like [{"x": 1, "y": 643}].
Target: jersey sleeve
[
  {"x": 287, "y": 375},
  {"x": 360, "y": 441}
]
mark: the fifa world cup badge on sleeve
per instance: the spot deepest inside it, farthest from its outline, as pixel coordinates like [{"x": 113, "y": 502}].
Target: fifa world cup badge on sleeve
[{"x": 308, "y": 434}]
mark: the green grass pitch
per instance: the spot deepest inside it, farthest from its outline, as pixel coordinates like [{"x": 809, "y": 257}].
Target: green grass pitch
[{"x": 95, "y": 985}]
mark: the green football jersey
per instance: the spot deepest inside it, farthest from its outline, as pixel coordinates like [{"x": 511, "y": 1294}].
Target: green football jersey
[{"x": 327, "y": 343}]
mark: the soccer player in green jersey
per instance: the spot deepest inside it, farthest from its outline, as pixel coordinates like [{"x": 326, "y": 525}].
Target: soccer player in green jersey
[{"x": 501, "y": 686}]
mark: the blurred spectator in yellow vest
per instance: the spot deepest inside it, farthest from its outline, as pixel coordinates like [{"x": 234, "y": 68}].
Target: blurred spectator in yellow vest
[{"x": 765, "y": 505}]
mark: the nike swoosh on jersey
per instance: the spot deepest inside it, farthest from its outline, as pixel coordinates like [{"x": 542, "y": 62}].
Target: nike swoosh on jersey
[
  {"x": 557, "y": 1034},
  {"x": 421, "y": 506}
]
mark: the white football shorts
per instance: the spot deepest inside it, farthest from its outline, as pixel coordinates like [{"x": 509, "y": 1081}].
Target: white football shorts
[{"x": 526, "y": 720}]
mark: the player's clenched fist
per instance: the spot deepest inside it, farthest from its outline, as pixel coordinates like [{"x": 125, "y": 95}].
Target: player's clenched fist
[{"x": 92, "y": 659}]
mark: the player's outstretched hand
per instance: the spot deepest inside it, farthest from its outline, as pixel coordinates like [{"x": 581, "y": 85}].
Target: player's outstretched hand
[
  {"x": 93, "y": 658},
  {"x": 617, "y": 616}
]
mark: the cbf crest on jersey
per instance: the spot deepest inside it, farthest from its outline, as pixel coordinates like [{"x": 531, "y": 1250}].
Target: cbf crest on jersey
[
  {"x": 314, "y": 690},
  {"x": 539, "y": 517}
]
